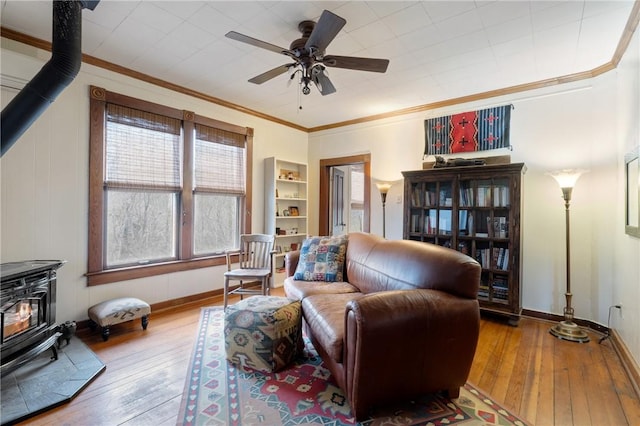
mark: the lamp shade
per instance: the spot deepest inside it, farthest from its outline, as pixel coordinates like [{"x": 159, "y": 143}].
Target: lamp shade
[
  {"x": 383, "y": 187},
  {"x": 567, "y": 178}
]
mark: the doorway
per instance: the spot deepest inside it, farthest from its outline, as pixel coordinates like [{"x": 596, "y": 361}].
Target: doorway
[{"x": 345, "y": 192}]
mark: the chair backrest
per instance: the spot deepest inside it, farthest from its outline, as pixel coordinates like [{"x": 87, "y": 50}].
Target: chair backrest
[{"x": 255, "y": 251}]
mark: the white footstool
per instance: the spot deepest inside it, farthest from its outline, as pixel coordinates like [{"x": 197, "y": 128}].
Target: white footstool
[{"x": 119, "y": 310}]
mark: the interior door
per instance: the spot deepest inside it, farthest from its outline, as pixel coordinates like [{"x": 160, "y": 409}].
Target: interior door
[
  {"x": 338, "y": 225},
  {"x": 325, "y": 210}
]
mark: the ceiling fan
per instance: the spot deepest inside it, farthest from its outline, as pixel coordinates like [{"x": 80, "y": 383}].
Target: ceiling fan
[{"x": 308, "y": 54}]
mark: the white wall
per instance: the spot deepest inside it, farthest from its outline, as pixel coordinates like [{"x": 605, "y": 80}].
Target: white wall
[
  {"x": 44, "y": 200},
  {"x": 588, "y": 124},
  {"x": 584, "y": 124},
  {"x": 626, "y": 278}
]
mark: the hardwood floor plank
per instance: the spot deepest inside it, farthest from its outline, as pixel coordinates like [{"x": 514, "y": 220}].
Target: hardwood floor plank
[
  {"x": 621, "y": 384},
  {"x": 533, "y": 374},
  {"x": 545, "y": 410},
  {"x": 537, "y": 376}
]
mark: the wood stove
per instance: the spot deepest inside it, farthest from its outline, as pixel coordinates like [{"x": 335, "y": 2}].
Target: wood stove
[{"x": 27, "y": 311}]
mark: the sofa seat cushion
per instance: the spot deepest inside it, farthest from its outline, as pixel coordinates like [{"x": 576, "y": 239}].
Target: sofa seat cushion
[
  {"x": 324, "y": 314},
  {"x": 298, "y": 290}
]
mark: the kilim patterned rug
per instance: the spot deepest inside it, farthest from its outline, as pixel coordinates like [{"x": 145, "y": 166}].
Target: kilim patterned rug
[{"x": 218, "y": 393}]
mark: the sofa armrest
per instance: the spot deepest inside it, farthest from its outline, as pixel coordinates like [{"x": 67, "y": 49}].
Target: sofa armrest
[
  {"x": 416, "y": 341},
  {"x": 291, "y": 262}
]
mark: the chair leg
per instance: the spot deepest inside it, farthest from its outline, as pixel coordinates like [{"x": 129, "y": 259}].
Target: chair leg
[{"x": 226, "y": 291}]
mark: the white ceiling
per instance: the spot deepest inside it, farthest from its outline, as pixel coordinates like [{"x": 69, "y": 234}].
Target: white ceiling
[{"x": 438, "y": 50}]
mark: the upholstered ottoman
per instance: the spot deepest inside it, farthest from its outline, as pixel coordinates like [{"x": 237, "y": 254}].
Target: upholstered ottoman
[
  {"x": 263, "y": 332},
  {"x": 119, "y": 310}
]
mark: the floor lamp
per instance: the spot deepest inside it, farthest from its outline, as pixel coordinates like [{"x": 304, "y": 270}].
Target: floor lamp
[
  {"x": 383, "y": 187},
  {"x": 567, "y": 329}
]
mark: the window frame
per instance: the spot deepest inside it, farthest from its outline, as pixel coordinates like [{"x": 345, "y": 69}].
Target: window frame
[{"x": 96, "y": 272}]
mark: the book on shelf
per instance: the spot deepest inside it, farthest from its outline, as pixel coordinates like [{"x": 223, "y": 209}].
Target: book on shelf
[
  {"x": 430, "y": 221},
  {"x": 463, "y": 222},
  {"x": 501, "y": 196},
  {"x": 415, "y": 196},
  {"x": 415, "y": 223},
  {"x": 501, "y": 258},
  {"x": 484, "y": 195},
  {"x": 483, "y": 291},
  {"x": 466, "y": 196},
  {"x": 444, "y": 222},
  {"x": 499, "y": 227}
]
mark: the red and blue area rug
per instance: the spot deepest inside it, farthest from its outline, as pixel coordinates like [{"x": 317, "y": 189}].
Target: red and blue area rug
[{"x": 218, "y": 393}]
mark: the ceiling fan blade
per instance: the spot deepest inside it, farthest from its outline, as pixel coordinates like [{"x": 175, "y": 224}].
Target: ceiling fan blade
[
  {"x": 354, "y": 63},
  {"x": 266, "y": 76},
  {"x": 322, "y": 82},
  {"x": 327, "y": 28},
  {"x": 255, "y": 42}
]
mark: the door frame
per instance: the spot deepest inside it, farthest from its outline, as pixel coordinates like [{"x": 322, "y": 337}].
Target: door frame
[{"x": 325, "y": 183}]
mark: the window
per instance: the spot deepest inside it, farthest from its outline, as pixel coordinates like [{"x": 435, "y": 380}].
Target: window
[{"x": 168, "y": 189}]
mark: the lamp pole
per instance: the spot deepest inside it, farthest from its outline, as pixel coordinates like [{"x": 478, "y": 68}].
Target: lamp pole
[
  {"x": 567, "y": 329},
  {"x": 383, "y": 187}
]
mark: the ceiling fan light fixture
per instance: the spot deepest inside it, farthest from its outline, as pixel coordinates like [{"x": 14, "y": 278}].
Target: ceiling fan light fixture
[{"x": 308, "y": 52}]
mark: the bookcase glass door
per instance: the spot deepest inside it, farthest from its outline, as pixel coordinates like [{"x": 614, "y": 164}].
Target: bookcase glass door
[
  {"x": 483, "y": 233},
  {"x": 475, "y": 210},
  {"x": 431, "y": 212}
]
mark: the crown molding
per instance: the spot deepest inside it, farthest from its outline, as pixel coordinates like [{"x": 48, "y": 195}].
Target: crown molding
[{"x": 623, "y": 44}]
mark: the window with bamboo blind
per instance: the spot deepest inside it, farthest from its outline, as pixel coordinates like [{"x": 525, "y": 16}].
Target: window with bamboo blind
[{"x": 168, "y": 189}]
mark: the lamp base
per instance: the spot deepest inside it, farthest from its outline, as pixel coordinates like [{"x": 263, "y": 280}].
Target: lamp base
[{"x": 568, "y": 330}]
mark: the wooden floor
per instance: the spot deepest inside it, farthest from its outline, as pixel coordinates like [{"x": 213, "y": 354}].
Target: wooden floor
[{"x": 544, "y": 380}]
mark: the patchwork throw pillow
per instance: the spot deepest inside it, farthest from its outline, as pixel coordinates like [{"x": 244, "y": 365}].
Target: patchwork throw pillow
[{"x": 322, "y": 259}]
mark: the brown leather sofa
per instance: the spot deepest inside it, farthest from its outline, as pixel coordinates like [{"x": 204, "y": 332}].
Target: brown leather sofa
[{"x": 404, "y": 323}]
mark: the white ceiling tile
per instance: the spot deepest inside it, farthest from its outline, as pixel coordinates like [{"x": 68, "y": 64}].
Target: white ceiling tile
[
  {"x": 510, "y": 30},
  {"x": 357, "y": 14},
  {"x": 459, "y": 25},
  {"x": 423, "y": 37},
  {"x": 560, "y": 14},
  {"x": 110, "y": 14},
  {"x": 212, "y": 21},
  {"x": 239, "y": 11},
  {"x": 93, "y": 36},
  {"x": 182, "y": 9},
  {"x": 407, "y": 20},
  {"x": 155, "y": 17},
  {"x": 503, "y": 50},
  {"x": 475, "y": 46},
  {"x": 372, "y": 34},
  {"x": 441, "y": 10},
  {"x": 499, "y": 12},
  {"x": 386, "y": 8},
  {"x": 189, "y": 33}
]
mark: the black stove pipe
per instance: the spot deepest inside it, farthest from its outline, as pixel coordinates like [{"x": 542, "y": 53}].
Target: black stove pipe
[{"x": 53, "y": 78}]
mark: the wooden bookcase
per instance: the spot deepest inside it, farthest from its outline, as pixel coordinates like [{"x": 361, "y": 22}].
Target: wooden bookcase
[
  {"x": 476, "y": 210},
  {"x": 285, "y": 207}
]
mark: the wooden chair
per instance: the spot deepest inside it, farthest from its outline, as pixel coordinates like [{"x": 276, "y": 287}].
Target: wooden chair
[{"x": 255, "y": 259}]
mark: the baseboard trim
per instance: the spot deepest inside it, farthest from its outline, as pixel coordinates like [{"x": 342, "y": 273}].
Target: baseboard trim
[
  {"x": 557, "y": 318},
  {"x": 628, "y": 363}
]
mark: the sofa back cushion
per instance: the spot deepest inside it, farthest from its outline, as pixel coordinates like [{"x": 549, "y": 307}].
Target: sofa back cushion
[
  {"x": 375, "y": 264},
  {"x": 322, "y": 259}
]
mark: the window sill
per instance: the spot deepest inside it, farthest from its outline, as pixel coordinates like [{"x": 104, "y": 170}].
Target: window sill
[{"x": 134, "y": 272}]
